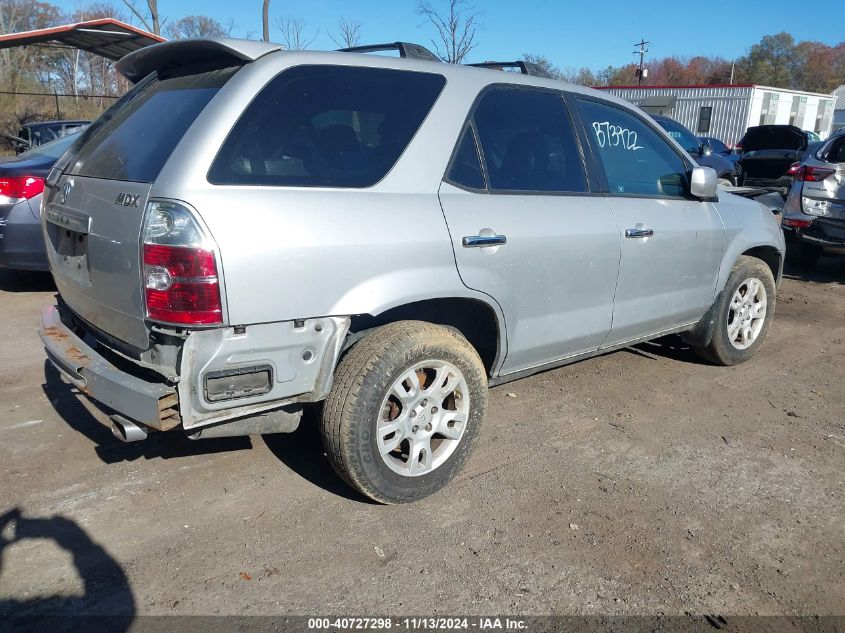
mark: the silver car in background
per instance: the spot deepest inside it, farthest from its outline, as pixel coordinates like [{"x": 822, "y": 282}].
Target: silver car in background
[
  {"x": 251, "y": 230},
  {"x": 814, "y": 214}
]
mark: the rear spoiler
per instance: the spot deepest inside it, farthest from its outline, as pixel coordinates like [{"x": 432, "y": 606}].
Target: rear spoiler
[{"x": 167, "y": 55}]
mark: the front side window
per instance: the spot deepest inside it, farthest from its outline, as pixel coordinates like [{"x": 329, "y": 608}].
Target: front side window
[
  {"x": 527, "y": 141},
  {"x": 635, "y": 158},
  {"x": 326, "y": 126},
  {"x": 683, "y": 137},
  {"x": 718, "y": 146}
]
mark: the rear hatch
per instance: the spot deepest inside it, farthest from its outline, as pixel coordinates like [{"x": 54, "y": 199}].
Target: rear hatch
[
  {"x": 769, "y": 150},
  {"x": 94, "y": 209},
  {"x": 823, "y": 191}
]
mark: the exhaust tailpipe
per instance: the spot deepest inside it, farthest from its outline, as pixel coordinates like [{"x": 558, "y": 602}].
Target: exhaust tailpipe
[{"x": 126, "y": 430}]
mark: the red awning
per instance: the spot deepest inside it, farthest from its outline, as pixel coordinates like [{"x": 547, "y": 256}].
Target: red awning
[{"x": 106, "y": 37}]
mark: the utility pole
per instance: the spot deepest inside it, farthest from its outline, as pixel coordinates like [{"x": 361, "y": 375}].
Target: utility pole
[{"x": 642, "y": 71}]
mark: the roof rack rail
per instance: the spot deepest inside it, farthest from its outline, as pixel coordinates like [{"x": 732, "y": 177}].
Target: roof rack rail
[
  {"x": 526, "y": 68},
  {"x": 406, "y": 49}
]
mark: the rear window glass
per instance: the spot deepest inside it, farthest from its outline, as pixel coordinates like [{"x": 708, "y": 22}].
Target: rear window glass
[
  {"x": 138, "y": 140},
  {"x": 326, "y": 126}
]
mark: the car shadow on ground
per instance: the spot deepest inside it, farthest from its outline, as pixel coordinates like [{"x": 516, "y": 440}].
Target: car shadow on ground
[
  {"x": 671, "y": 347},
  {"x": 66, "y": 401},
  {"x": 107, "y": 601},
  {"x": 830, "y": 269},
  {"x": 302, "y": 452},
  {"x": 25, "y": 281}
]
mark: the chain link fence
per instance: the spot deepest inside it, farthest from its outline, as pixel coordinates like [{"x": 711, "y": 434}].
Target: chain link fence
[{"x": 17, "y": 108}]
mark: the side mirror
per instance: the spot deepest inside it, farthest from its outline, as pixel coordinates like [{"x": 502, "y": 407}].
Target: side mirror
[
  {"x": 703, "y": 182},
  {"x": 706, "y": 150}
]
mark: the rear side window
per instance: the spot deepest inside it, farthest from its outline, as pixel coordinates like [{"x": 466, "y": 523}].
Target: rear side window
[
  {"x": 636, "y": 159},
  {"x": 466, "y": 166},
  {"x": 326, "y": 126},
  {"x": 138, "y": 140},
  {"x": 835, "y": 153},
  {"x": 528, "y": 143}
]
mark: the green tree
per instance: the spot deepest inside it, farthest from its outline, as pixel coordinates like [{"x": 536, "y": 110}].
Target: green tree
[{"x": 773, "y": 61}]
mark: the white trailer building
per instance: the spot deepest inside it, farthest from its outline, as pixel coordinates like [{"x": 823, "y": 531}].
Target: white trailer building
[{"x": 725, "y": 111}]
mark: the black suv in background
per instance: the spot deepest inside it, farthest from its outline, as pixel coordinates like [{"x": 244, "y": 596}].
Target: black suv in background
[
  {"x": 700, "y": 151},
  {"x": 33, "y": 134}
]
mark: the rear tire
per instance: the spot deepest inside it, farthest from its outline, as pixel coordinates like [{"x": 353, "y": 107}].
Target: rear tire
[
  {"x": 744, "y": 312},
  {"x": 405, "y": 411}
]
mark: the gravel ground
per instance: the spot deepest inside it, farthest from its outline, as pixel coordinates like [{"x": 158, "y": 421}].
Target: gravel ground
[{"x": 641, "y": 482}]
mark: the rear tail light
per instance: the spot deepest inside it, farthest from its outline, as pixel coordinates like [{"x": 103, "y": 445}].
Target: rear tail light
[
  {"x": 809, "y": 173},
  {"x": 793, "y": 169},
  {"x": 21, "y": 187},
  {"x": 796, "y": 223},
  {"x": 181, "y": 282}
]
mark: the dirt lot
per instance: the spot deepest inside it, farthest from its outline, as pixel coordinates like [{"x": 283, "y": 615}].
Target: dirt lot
[{"x": 641, "y": 482}]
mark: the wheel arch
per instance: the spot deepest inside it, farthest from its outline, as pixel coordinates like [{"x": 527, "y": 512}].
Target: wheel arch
[
  {"x": 702, "y": 333},
  {"x": 481, "y": 323},
  {"x": 771, "y": 256}
]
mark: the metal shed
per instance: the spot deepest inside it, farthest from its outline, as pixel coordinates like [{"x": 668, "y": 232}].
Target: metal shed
[
  {"x": 106, "y": 36},
  {"x": 725, "y": 111}
]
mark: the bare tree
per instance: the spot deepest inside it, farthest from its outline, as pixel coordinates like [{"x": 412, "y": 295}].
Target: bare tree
[
  {"x": 293, "y": 33},
  {"x": 456, "y": 28},
  {"x": 148, "y": 17},
  {"x": 349, "y": 33},
  {"x": 545, "y": 63},
  {"x": 265, "y": 20},
  {"x": 197, "y": 26}
]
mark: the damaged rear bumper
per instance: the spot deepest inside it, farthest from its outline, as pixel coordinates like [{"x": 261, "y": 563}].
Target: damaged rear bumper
[
  {"x": 152, "y": 404},
  {"x": 295, "y": 359}
]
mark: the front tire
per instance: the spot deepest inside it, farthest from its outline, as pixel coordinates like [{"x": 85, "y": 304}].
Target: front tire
[
  {"x": 405, "y": 411},
  {"x": 744, "y": 312}
]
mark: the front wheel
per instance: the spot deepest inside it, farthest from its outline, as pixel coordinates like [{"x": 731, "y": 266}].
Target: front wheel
[
  {"x": 405, "y": 410},
  {"x": 744, "y": 312}
]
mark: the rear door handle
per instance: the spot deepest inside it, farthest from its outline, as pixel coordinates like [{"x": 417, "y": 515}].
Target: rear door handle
[
  {"x": 639, "y": 231},
  {"x": 480, "y": 241}
]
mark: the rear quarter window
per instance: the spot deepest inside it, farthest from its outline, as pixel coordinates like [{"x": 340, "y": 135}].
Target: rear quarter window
[{"x": 326, "y": 126}]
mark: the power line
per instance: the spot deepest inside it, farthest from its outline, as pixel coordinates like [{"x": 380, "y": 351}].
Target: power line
[{"x": 642, "y": 71}]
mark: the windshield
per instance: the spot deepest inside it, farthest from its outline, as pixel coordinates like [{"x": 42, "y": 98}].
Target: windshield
[{"x": 53, "y": 149}]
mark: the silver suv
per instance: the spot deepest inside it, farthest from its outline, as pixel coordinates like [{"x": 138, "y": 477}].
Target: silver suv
[{"x": 252, "y": 230}]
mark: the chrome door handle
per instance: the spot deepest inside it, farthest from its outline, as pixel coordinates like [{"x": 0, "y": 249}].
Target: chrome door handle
[
  {"x": 639, "y": 232},
  {"x": 480, "y": 241}
]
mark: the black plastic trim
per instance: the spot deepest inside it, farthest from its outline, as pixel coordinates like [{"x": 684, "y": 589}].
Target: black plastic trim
[{"x": 408, "y": 50}]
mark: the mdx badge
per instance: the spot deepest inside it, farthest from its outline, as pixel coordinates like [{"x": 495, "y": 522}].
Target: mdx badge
[
  {"x": 127, "y": 199},
  {"x": 66, "y": 191}
]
